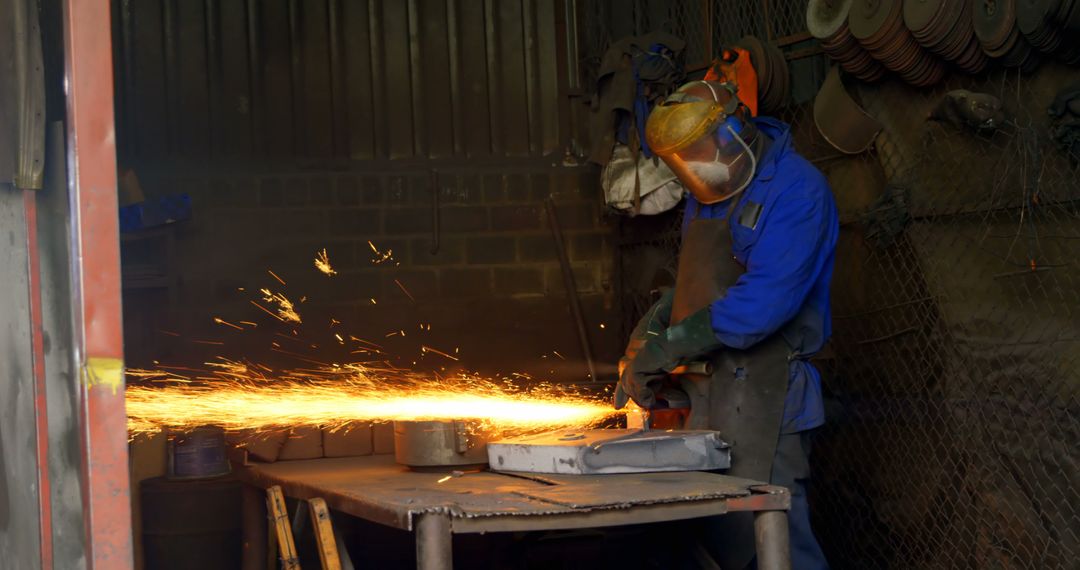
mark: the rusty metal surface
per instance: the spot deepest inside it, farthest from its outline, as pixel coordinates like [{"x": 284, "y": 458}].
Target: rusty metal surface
[
  {"x": 377, "y": 489},
  {"x": 840, "y": 119},
  {"x": 19, "y": 501},
  {"x": 99, "y": 343}
]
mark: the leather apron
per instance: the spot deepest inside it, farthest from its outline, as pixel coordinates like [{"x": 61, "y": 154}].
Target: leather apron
[{"x": 744, "y": 397}]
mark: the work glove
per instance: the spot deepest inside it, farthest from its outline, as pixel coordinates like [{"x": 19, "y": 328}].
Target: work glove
[
  {"x": 650, "y": 325},
  {"x": 691, "y": 339}
]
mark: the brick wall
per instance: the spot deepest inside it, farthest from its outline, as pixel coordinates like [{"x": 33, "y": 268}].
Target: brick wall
[{"x": 491, "y": 287}]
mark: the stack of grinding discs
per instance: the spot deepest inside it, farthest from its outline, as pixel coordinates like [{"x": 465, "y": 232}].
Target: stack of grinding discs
[
  {"x": 774, "y": 83},
  {"x": 827, "y": 21},
  {"x": 879, "y": 27},
  {"x": 944, "y": 27},
  {"x": 1034, "y": 19},
  {"x": 1066, "y": 15},
  {"x": 995, "y": 26}
]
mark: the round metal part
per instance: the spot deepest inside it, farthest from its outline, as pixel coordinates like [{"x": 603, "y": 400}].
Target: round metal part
[
  {"x": 440, "y": 444},
  {"x": 994, "y": 22},
  {"x": 826, "y": 17},
  {"x": 869, "y": 18},
  {"x": 840, "y": 119}
]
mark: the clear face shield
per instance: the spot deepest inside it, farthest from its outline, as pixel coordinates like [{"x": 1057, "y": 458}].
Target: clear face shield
[{"x": 700, "y": 137}]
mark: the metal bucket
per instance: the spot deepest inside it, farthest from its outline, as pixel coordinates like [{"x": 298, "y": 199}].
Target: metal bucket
[
  {"x": 435, "y": 445},
  {"x": 197, "y": 454}
]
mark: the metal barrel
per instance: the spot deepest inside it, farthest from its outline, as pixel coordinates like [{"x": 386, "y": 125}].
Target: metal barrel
[
  {"x": 191, "y": 524},
  {"x": 197, "y": 454}
]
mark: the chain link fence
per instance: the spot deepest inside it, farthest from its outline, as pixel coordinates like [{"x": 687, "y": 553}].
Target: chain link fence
[{"x": 953, "y": 377}]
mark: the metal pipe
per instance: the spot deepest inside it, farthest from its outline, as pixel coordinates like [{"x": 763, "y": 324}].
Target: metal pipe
[
  {"x": 771, "y": 540},
  {"x": 571, "y": 288},
  {"x": 434, "y": 542}
]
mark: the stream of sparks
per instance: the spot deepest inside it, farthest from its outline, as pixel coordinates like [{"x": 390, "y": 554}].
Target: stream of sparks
[{"x": 237, "y": 397}]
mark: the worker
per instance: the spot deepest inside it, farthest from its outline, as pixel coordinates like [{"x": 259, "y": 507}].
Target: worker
[{"x": 751, "y": 295}]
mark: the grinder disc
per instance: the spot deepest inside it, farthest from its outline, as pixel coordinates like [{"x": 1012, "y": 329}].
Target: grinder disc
[
  {"x": 824, "y": 17},
  {"x": 868, "y": 18}
]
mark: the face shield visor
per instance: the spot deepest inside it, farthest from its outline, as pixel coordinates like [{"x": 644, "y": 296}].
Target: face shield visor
[{"x": 698, "y": 133}]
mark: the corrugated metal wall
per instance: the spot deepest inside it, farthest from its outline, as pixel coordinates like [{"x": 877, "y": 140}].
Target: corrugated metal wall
[{"x": 340, "y": 79}]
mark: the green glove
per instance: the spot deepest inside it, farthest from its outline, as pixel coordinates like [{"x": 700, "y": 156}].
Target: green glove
[
  {"x": 689, "y": 340},
  {"x": 651, "y": 325}
]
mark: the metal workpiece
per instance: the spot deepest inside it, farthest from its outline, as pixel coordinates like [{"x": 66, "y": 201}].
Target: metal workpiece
[
  {"x": 604, "y": 451},
  {"x": 440, "y": 443}
]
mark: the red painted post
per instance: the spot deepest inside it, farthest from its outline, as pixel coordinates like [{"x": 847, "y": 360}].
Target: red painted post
[{"x": 96, "y": 284}]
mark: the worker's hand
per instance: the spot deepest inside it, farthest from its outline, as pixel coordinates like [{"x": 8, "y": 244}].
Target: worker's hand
[
  {"x": 651, "y": 324},
  {"x": 691, "y": 339}
]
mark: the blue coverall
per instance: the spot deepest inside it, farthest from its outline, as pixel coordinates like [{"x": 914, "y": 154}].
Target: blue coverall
[{"x": 784, "y": 230}]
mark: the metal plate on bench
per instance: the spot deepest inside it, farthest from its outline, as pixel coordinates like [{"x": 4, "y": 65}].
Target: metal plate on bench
[{"x": 603, "y": 451}]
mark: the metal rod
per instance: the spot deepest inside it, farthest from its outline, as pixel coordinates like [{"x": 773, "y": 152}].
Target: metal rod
[
  {"x": 434, "y": 542},
  {"x": 771, "y": 540},
  {"x": 571, "y": 288},
  {"x": 434, "y": 212}
]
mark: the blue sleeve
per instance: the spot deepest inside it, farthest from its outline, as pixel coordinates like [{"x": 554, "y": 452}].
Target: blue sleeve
[{"x": 781, "y": 270}]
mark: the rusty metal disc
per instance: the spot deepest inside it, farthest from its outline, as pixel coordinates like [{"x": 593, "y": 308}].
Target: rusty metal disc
[
  {"x": 824, "y": 18},
  {"x": 922, "y": 16},
  {"x": 994, "y": 22},
  {"x": 869, "y": 18}
]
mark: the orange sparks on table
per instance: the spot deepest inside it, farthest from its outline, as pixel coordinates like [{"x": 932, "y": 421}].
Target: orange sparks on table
[
  {"x": 248, "y": 323},
  {"x": 221, "y": 321},
  {"x": 334, "y": 322},
  {"x": 285, "y": 311},
  {"x": 404, "y": 290},
  {"x": 338, "y": 337},
  {"x": 170, "y": 333},
  {"x": 239, "y": 397},
  {"x": 322, "y": 263},
  {"x": 274, "y": 275},
  {"x": 373, "y": 301}
]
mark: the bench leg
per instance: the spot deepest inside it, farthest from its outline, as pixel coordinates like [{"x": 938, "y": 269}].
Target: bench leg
[
  {"x": 434, "y": 542},
  {"x": 772, "y": 540},
  {"x": 255, "y": 531}
]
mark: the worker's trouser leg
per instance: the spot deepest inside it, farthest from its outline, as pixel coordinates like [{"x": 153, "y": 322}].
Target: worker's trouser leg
[
  {"x": 791, "y": 468},
  {"x": 729, "y": 539}
]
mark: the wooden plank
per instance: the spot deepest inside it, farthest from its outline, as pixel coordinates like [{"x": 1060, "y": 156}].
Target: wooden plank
[
  {"x": 276, "y": 89},
  {"x": 339, "y": 121},
  {"x": 437, "y": 102},
  {"x": 150, "y": 114},
  {"x": 493, "y": 56},
  {"x": 397, "y": 81},
  {"x": 418, "y": 82},
  {"x": 324, "y": 534},
  {"x": 476, "y": 118},
  {"x": 531, "y": 64},
  {"x": 514, "y": 101},
  {"x": 358, "y": 80},
  {"x": 234, "y": 107},
  {"x": 279, "y": 516},
  {"x": 315, "y": 82},
  {"x": 549, "y": 135},
  {"x": 193, "y": 121}
]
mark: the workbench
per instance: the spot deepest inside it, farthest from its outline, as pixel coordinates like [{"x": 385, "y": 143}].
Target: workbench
[{"x": 377, "y": 489}]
